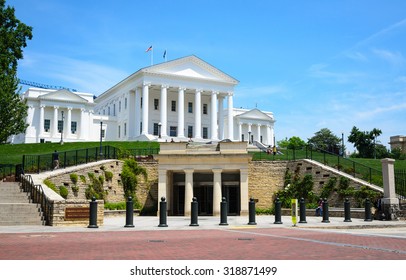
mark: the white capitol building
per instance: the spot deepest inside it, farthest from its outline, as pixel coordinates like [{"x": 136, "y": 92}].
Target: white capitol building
[{"x": 179, "y": 100}]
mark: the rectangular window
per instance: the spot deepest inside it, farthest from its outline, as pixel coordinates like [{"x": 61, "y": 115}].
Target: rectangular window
[
  {"x": 141, "y": 103},
  {"x": 47, "y": 125},
  {"x": 190, "y": 107},
  {"x": 119, "y": 106},
  {"x": 204, "y": 109},
  {"x": 114, "y": 109},
  {"x": 104, "y": 111},
  {"x": 73, "y": 127},
  {"x": 173, "y": 106},
  {"x": 173, "y": 131},
  {"x": 60, "y": 126},
  {"x": 156, "y": 129},
  {"x": 205, "y": 133},
  {"x": 140, "y": 127},
  {"x": 125, "y": 129},
  {"x": 190, "y": 131},
  {"x": 103, "y": 133},
  {"x": 108, "y": 110},
  {"x": 119, "y": 131},
  {"x": 125, "y": 103},
  {"x": 156, "y": 103}
]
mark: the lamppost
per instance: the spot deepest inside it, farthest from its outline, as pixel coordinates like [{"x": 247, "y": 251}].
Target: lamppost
[
  {"x": 159, "y": 130},
  {"x": 62, "y": 129},
  {"x": 101, "y": 138},
  {"x": 342, "y": 144},
  {"x": 249, "y": 137}
]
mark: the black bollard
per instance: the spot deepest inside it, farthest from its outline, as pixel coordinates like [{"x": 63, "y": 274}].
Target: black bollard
[
  {"x": 368, "y": 214},
  {"x": 251, "y": 212},
  {"x": 194, "y": 213},
  {"x": 325, "y": 211},
  {"x": 347, "y": 210},
  {"x": 223, "y": 212},
  {"x": 162, "y": 213},
  {"x": 93, "y": 214},
  {"x": 302, "y": 211},
  {"x": 278, "y": 211},
  {"x": 129, "y": 213}
]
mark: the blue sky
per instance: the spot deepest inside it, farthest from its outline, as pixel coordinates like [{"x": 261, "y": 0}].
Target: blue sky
[{"x": 315, "y": 64}]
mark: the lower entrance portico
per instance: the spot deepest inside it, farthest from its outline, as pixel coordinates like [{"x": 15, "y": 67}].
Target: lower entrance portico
[{"x": 207, "y": 172}]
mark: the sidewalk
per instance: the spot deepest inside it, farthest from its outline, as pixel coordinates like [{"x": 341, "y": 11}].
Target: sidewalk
[{"x": 147, "y": 223}]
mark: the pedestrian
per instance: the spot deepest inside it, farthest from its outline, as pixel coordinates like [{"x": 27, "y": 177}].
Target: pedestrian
[
  {"x": 55, "y": 160},
  {"x": 274, "y": 150},
  {"x": 319, "y": 209}
]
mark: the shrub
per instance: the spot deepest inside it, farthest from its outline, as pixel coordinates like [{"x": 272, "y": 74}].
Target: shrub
[
  {"x": 109, "y": 175},
  {"x": 328, "y": 188},
  {"x": 51, "y": 185},
  {"x": 63, "y": 191},
  {"x": 74, "y": 178},
  {"x": 83, "y": 179}
]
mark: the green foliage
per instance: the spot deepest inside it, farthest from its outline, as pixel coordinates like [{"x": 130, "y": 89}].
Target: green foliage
[
  {"x": 51, "y": 185},
  {"x": 13, "y": 37},
  {"x": 63, "y": 191},
  {"x": 83, "y": 179},
  {"x": 328, "y": 188},
  {"x": 123, "y": 154},
  {"x": 397, "y": 153},
  {"x": 365, "y": 192},
  {"x": 294, "y": 142},
  {"x": 364, "y": 141},
  {"x": 95, "y": 188},
  {"x": 74, "y": 178},
  {"x": 325, "y": 140},
  {"x": 131, "y": 170},
  {"x": 109, "y": 175},
  {"x": 115, "y": 205},
  {"x": 75, "y": 188},
  {"x": 344, "y": 189},
  {"x": 265, "y": 211}
]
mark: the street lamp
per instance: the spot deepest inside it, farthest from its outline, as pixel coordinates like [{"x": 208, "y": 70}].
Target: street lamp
[
  {"x": 342, "y": 144},
  {"x": 101, "y": 138},
  {"x": 159, "y": 130},
  {"x": 62, "y": 129},
  {"x": 249, "y": 137}
]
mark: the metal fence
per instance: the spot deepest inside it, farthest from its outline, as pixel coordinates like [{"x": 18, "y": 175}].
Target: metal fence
[
  {"x": 347, "y": 165},
  {"x": 7, "y": 170}
]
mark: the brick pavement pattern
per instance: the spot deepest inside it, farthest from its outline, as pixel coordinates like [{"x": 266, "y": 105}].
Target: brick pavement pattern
[{"x": 211, "y": 244}]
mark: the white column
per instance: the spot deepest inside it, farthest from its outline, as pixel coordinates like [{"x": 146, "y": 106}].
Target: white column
[
  {"x": 131, "y": 115},
  {"x": 162, "y": 187},
  {"x": 82, "y": 123},
  {"x": 268, "y": 135},
  {"x": 249, "y": 133},
  {"x": 41, "y": 120},
  {"x": 216, "y": 191},
  {"x": 244, "y": 191},
  {"x": 137, "y": 111},
  {"x": 198, "y": 114},
  {"x": 213, "y": 121},
  {"x": 240, "y": 131},
  {"x": 230, "y": 116},
  {"x": 68, "y": 123},
  {"x": 221, "y": 117},
  {"x": 55, "y": 123},
  {"x": 145, "y": 111},
  {"x": 163, "y": 110},
  {"x": 259, "y": 133},
  {"x": 188, "y": 190},
  {"x": 181, "y": 112}
]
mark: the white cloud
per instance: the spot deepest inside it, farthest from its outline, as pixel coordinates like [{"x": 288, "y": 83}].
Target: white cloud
[
  {"x": 381, "y": 110},
  {"x": 394, "y": 58}
]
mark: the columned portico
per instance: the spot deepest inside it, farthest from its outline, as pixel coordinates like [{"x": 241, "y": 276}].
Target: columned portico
[
  {"x": 230, "y": 116},
  {"x": 214, "y": 115},
  {"x": 145, "y": 109},
  {"x": 188, "y": 190},
  {"x": 55, "y": 123},
  {"x": 216, "y": 191},
  {"x": 163, "y": 113},
  {"x": 198, "y": 112},
  {"x": 181, "y": 112}
]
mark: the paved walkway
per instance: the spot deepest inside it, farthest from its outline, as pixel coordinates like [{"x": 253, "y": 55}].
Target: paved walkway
[{"x": 358, "y": 240}]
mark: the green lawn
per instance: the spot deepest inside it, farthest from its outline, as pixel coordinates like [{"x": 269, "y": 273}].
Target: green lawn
[{"x": 12, "y": 154}]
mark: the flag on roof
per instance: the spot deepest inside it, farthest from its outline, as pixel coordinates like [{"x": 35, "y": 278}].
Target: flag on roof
[
  {"x": 164, "y": 54},
  {"x": 149, "y": 49}
]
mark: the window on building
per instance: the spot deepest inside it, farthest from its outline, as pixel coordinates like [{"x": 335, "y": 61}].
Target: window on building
[
  {"x": 119, "y": 131},
  {"x": 73, "y": 127},
  {"x": 47, "y": 125},
  {"x": 108, "y": 111},
  {"x": 190, "y": 107},
  {"x": 140, "y": 127},
  {"x": 104, "y": 111},
  {"x": 204, "y": 109},
  {"x": 103, "y": 133},
  {"x": 125, "y": 129},
  {"x": 242, "y": 137},
  {"x": 173, "y": 131},
  {"x": 190, "y": 131},
  {"x": 156, "y": 132},
  {"x": 205, "y": 133},
  {"x": 156, "y": 103},
  {"x": 119, "y": 106},
  {"x": 141, "y": 103},
  {"x": 60, "y": 126},
  {"x": 125, "y": 103},
  {"x": 114, "y": 109},
  {"x": 173, "y": 106}
]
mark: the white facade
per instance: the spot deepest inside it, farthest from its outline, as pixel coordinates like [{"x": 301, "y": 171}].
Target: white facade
[{"x": 182, "y": 99}]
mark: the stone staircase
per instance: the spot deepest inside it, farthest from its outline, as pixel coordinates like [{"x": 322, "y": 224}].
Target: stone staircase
[{"x": 16, "y": 207}]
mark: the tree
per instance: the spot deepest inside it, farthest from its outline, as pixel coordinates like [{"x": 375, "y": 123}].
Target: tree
[
  {"x": 294, "y": 142},
  {"x": 13, "y": 37},
  {"x": 325, "y": 140},
  {"x": 364, "y": 141},
  {"x": 129, "y": 176}
]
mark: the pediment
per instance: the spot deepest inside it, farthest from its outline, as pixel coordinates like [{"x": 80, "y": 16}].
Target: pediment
[
  {"x": 255, "y": 114},
  {"x": 190, "y": 67},
  {"x": 63, "y": 95}
]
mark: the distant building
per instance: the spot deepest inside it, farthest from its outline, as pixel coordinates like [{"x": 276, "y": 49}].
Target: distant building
[
  {"x": 181, "y": 99},
  {"x": 398, "y": 142}
]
